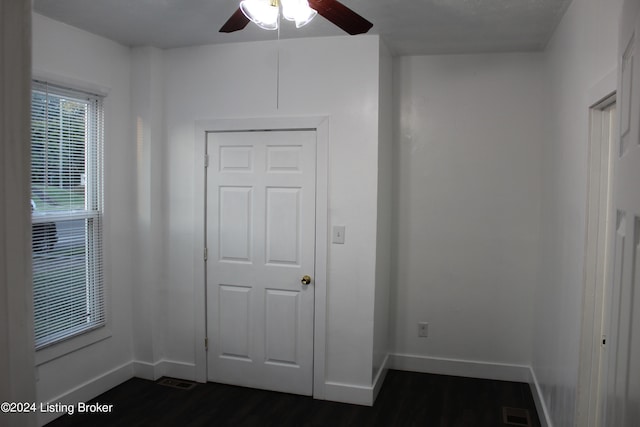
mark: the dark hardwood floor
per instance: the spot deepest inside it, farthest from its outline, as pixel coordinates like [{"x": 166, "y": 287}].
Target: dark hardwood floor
[{"x": 406, "y": 399}]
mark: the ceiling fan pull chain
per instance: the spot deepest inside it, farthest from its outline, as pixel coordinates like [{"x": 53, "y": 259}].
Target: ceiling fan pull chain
[{"x": 278, "y": 67}]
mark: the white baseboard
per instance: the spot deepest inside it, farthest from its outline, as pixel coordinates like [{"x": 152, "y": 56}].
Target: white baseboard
[
  {"x": 460, "y": 368},
  {"x": 334, "y": 391},
  {"x": 108, "y": 380},
  {"x": 88, "y": 390},
  {"x": 182, "y": 370},
  {"x": 538, "y": 398},
  {"x": 357, "y": 394},
  {"x": 145, "y": 370},
  {"x": 164, "y": 368},
  {"x": 379, "y": 378},
  {"x": 348, "y": 393},
  {"x": 475, "y": 369}
]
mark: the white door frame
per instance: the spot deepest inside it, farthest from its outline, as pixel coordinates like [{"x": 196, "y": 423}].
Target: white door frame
[
  {"x": 321, "y": 125},
  {"x": 598, "y": 224}
]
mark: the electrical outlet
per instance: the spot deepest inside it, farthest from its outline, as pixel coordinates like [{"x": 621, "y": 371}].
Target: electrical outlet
[{"x": 423, "y": 329}]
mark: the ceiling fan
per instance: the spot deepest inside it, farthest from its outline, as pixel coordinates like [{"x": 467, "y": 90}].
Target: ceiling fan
[{"x": 332, "y": 10}]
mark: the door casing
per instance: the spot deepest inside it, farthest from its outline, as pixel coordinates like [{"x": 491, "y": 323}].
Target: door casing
[
  {"x": 321, "y": 125},
  {"x": 591, "y": 361}
]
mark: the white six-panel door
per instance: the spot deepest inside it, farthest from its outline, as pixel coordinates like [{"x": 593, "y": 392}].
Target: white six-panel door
[
  {"x": 260, "y": 241},
  {"x": 622, "y": 397}
]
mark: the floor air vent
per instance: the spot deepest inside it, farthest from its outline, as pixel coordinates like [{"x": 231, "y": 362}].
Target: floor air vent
[
  {"x": 516, "y": 417},
  {"x": 175, "y": 383}
]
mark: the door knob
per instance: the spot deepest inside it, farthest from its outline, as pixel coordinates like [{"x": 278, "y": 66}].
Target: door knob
[{"x": 305, "y": 280}]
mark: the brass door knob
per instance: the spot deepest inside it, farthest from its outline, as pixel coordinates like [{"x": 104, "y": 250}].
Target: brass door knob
[{"x": 305, "y": 280}]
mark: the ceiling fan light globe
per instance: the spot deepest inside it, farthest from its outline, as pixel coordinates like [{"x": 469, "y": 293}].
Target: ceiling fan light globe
[
  {"x": 304, "y": 18},
  {"x": 268, "y": 25},
  {"x": 261, "y": 13},
  {"x": 289, "y": 9},
  {"x": 298, "y": 11}
]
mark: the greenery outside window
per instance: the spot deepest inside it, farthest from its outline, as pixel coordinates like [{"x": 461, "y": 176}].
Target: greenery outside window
[{"x": 67, "y": 211}]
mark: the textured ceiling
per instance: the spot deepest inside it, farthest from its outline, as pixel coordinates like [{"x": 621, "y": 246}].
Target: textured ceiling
[{"x": 409, "y": 27}]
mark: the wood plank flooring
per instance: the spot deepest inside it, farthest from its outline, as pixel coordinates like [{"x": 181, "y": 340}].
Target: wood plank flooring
[{"x": 406, "y": 399}]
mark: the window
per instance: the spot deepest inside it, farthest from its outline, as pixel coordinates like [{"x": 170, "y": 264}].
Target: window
[{"x": 66, "y": 205}]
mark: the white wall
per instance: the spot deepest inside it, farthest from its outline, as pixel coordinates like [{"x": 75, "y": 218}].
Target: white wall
[
  {"x": 580, "y": 54},
  {"x": 466, "y": 205},
  {"x": 147, "y": 112},
  {"x": 71, "y": 56},
  {"x": 384, "y": 283},
  {"x": 16, "y": 325},
  {"x": 336, "y": 77}
]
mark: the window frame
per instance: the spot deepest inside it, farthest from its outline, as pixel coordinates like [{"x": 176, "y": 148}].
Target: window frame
[{"x": 94, "y": 211}]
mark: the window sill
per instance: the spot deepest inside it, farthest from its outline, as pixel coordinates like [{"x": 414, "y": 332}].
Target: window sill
[{"x": 55, "y": 351}]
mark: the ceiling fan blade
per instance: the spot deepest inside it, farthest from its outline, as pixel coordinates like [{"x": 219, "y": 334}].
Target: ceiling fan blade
[
  {"x": 341, "y": 16},
  {"x": 237, "y": 22}
]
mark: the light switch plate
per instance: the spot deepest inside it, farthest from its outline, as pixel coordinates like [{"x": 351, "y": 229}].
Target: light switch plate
[{"x": 338, "y": 234}]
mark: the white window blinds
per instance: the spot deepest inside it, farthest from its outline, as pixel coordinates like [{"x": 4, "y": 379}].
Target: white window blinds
[{"x": 66, "y": 205}]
